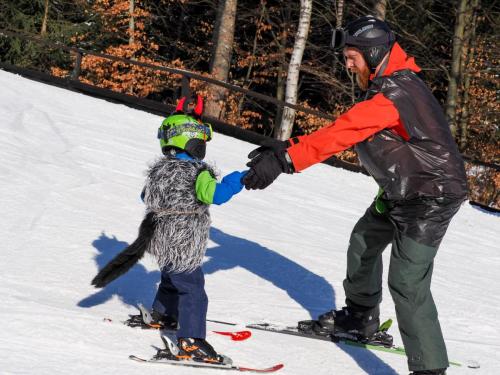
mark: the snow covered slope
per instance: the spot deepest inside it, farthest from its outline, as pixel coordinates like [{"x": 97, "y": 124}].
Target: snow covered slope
[{"x": 71, "y": 172}]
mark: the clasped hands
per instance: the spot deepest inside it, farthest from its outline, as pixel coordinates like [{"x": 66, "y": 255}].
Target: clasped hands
[{"x": 267, "y": 162}]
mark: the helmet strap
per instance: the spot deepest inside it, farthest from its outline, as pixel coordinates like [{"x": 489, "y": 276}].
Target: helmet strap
[{"x": 385, "y": 62}]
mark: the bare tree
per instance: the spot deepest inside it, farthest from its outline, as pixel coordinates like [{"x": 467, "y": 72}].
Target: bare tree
[
  {"x": 339, "y": 17},
  {"x": 454, "y": 75},
  {"x": 280, "y": 38},
  {"x": 285, "y": 129},
  {"x": 221, "y": 58},
  {"x": 45, "y": 19},
  {"x": 468, "y": 52}
]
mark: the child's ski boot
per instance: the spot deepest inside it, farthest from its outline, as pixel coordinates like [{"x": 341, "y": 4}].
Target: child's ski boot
[
  {"x": 171, "y": 351},
  {"x": 199, "y": 350},
  {"x": 188, "y": 349},
  {"x": 151, "y": 320}
]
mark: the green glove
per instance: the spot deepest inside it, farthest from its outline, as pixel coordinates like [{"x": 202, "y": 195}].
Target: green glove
[{"x": 380, "y": 206}]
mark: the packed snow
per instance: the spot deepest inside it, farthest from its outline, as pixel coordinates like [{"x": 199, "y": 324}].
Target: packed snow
[{"x": 72, "y": 169}]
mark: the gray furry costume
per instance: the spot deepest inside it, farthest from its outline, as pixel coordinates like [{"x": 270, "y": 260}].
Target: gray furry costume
[
  {"x": 175, "y": 228},
  {"x": 182, "y": 222}
]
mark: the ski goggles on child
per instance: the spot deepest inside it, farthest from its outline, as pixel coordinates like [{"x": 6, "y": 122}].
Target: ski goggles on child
[{"x": 190, "y": 130}]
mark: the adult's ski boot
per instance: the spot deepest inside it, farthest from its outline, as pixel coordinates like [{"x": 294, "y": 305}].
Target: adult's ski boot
[
  {"x": 360, "y": 325},
  {"x": 439, "y": 371},
  {"x": 349, "y": 322}
]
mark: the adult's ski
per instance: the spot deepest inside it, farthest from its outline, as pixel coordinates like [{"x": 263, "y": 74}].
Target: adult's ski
[
  {"x": 222, "y": 366},
  {"x": 374, "y": 344}
]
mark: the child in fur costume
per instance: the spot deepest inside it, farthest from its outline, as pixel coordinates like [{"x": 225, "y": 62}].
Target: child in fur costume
[{"x": 179, "y": 188}]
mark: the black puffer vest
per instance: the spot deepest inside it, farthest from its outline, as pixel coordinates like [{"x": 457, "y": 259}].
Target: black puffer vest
[{"x": 429, "y": 163}]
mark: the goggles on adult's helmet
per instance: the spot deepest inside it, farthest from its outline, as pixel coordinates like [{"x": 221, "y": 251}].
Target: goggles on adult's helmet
[
  {"x": 341, "y": 38},
  {"x": 370, "y": 35},
  {"x": 366, "y": 31}
]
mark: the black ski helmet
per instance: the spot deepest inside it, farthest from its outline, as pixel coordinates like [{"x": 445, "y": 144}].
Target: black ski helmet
[{"x": 370, "y": 35}]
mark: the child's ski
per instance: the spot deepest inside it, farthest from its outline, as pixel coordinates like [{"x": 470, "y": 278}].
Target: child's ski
[
  {"x": 145, "y": 321},
  {"x": 222, "y": 366},
  {"x": 233, "y": 335},
  {"x": 171, "y": 355}
]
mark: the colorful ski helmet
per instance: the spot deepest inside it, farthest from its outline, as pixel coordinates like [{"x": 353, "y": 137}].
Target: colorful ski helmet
[
  {"x": 183, "y": 132},
  {"x": 371, "y": 36}
]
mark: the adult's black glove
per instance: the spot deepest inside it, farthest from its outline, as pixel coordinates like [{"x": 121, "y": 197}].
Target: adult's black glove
[{"x": 267, "y": 162}]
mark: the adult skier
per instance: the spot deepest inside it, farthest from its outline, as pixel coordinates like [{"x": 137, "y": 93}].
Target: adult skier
[
  {"x": 403, "y": 140},
  {"x": 179, "y": 188}
]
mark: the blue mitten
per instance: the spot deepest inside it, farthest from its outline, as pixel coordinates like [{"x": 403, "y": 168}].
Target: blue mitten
[{"x": 230, "y": 185}]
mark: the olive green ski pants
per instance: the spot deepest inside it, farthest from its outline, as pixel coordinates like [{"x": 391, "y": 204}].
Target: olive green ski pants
[{"x": 415, "y": 230}]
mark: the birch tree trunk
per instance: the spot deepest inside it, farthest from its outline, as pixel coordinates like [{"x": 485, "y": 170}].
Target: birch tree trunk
[
  {"x": 454, "y": 76},
  {"x": 379, "y": 9},
  {"x": 221, "y": 58},
  {"x": 339, "y": 14},
  {"x": 45, "y": 19},
  {"x": 131, "y": 23},
  {"x": 131, "y": 30},
  {"x": 285, "y": 129},
  {"x": 280, "y": 80}
]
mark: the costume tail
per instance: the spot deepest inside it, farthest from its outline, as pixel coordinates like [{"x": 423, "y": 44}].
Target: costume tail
[{"x": 121, "y": 263}]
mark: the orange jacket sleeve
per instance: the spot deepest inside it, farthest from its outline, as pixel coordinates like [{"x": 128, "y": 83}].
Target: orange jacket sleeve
[{"x": 363, "y": 120}]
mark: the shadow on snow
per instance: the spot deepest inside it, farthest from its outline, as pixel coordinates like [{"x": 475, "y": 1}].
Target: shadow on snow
[
  {"x": 309, "y": 290},
  {"x": 306, "y": 288},
  {"x": 313, "y": 292},
  {"x": 138, "y": 285}
]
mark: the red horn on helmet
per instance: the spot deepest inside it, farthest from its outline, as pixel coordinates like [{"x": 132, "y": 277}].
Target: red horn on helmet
[
  {"x": 198, "y": 109},
  {"x": 186, "y": 105},
  {"x": 180, "y": 105}
]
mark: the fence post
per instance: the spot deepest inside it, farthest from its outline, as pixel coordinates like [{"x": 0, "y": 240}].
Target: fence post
[
  {"x": 185, "y": 90},
  {"x": 77, "y": 69}
]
